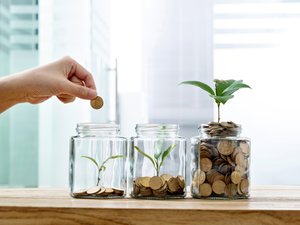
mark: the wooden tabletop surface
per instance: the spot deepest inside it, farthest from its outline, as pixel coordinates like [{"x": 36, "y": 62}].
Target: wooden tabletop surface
[{"x": 267, "y": 205}]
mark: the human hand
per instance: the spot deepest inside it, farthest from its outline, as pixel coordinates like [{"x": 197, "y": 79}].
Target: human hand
[{"x": 66, "y": 79}]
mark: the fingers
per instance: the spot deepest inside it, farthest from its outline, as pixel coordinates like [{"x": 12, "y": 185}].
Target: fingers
[
  {"x": 66, "y": 98},
  {"x": 80, "y": 91},
  {"x": 81, "y": 73}
]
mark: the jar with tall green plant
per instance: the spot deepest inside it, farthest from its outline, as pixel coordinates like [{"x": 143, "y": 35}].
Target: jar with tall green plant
[{"x": 220, "y": 157}]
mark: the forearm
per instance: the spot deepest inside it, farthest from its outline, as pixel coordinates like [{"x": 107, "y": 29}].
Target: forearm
[{"x": 11, "y": 91}]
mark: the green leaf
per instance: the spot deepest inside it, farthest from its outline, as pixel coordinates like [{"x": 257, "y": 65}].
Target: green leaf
[
  {"x": 144, "y": 154},
  {"x": 92, "y": 159},
  {"x": 166, "y": 153},
  {"x": 234, "y": 87},
  {"x": 222, "y": 99},
  {"x": 201, "y": 85},
  {"x": 158, "y": 148},
  {"x": 221, "y": 85}
]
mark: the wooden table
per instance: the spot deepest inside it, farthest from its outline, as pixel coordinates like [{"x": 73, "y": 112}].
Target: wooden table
[{"x": 267, "y": 205}]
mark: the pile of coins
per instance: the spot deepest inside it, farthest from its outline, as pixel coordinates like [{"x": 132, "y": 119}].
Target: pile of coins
[
  {"x": 164, "y": 186},
  {"x": 221, "y": 129},
  {"x": 98, "y": 192},
  {"x": 223, "y": 168}
]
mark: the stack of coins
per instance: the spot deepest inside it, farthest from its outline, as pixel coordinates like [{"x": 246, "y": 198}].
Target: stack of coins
[
  {"x": 164, "y": 186},
  {"x": 98, "y": 192},
  {"x": 221, "y": 129},
  {"x": 223, "y": 167}
]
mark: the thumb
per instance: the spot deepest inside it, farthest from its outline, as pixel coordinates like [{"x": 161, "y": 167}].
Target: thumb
[{"x": 81, "y": 91}]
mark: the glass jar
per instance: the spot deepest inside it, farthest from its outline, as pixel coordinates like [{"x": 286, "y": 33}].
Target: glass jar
[
  {"x": 97, "y": 162},
  {"x": 157, "y": 168},
  {"x": 220, "y": 162}
]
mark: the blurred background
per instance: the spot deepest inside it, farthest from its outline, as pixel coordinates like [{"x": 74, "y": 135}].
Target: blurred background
[{"x": 138, "y": 52}]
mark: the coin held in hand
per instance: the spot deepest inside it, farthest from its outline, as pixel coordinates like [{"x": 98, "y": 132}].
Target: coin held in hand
[{"x": 97, "y": 102}]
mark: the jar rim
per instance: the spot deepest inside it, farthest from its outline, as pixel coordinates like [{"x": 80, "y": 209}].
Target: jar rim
[
  {"x": 97, "y": 127},
  {"x": 157, "y": 125}
]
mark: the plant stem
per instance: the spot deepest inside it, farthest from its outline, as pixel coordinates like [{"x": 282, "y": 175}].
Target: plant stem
[
  {"x": 98, "y": 179},
  {"x": 218, "y": 112}
]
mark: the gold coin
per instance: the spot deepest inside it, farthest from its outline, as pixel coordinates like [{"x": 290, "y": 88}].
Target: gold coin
[
  {"x": 97, "y": 102},
  {"x": 245, "y": 148},
  {"x": 218, "y": 187},
  {"x": 101, "y": 191},
  {"x": 236, "y": 177},
  {"x": 118, "y": 191},
  {"x": 231, "y": 190},
  {"x": 244, "y": 186},
  {"x": 205, "y": 164},
  {"x": 80, "y": 192},
  {"x": 181, "y": 181},
  {"x": 109, "y": 190},
  {"x": 145, "y": 192},
  {"x": 173, "y": 185},
  {"x": 166, "y": 177},
  {"x": 144, "y": 181},
  {"x": 93, "y": 190},
  {"x": 225, "y": 147},
  {"x": 205, "y": 189},
  {"x": 156, "y": 182}
]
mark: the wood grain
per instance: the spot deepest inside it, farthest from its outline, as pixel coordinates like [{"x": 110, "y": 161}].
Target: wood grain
[{"x": 267, "y": 205}]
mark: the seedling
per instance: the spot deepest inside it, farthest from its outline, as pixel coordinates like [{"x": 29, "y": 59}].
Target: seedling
[
  {"x": 102, "y": 167},
  {"x": 159, "y": 157},
  {"x": 224, "y": 90}
]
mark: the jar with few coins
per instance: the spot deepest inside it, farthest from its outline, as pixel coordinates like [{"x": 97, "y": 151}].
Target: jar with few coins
[
  {"x": 157, "y": 162},
  {"x": 220, "y": 162},
  {"x": 98, "y": 162}
]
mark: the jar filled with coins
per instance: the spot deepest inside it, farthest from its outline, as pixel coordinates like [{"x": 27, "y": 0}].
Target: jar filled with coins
[
  {"x": 97, "y": 162},
  {"x": 220, "y": 162},
  {"x": 157, "y": 156}
]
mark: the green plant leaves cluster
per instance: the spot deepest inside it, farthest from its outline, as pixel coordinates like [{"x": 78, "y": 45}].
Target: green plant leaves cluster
[
  {"x": 223, "y": 90},
  {"x": 159, "y": 157}
]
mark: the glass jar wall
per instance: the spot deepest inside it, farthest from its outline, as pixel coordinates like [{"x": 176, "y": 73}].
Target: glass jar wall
[
  {"x": 97, "y": 162},
  {"x": 157, "y": 156},
  {"x": 220, "y": 162}
]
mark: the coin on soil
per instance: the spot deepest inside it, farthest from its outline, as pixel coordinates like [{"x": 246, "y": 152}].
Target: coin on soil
[
  {"x": 225, "y": 147},
  {"x": 205, "y": 189},
  {"x": 218, "y": 187},
  {"x": 93, "y": 190},
  {"x": 97, "y": 102},
  {"x": 156, "y": 182}
]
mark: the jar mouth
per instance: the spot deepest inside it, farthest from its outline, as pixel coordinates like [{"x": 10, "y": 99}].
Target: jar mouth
[
  {"x": 157, "y": 128},
  {"x": 105, "y": 127}
]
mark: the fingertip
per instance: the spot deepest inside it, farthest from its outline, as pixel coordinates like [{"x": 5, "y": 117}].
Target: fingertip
[{"x": 92, "y": 93}]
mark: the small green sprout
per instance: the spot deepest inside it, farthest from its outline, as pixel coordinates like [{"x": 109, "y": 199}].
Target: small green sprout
[
  {"x": 159, "y": 157},
  {"x": 102, "y": 167}
]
